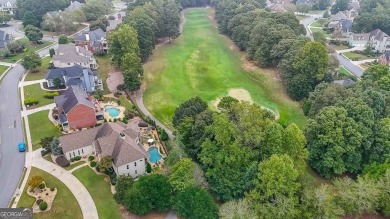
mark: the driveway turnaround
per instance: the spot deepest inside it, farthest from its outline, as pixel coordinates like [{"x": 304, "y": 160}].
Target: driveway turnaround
[{"x": 81, "y": 194}]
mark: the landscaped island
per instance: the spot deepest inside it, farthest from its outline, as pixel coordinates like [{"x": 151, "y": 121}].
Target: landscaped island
[{"x": 203, "y": 63}]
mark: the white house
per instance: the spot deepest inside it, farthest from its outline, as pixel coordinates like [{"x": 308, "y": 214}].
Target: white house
[
  {"x": 377, "y": 39},
  {"x": 8, "y": 6},
  {"x": 118, "y": 140},
  {"x": 69, "y": 55}
]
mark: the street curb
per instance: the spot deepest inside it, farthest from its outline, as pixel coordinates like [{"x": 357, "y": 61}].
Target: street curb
[{"x": 5, "y": 73}]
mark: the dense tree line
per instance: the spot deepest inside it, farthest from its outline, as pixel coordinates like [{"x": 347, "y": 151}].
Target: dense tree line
[
  {"x": 347, "y": 130},
  {"x": 133, "y": 41},
  {"x": 274, "y": 39},
  {"x": 372, "y": 15},
  {"x": 38, "y": 8}
]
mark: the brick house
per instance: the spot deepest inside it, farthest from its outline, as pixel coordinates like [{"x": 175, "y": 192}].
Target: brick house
[
  {"x": 75, "y": 110},
  {"x": 118, "y": 140},
  {"x": 384, "y": 59},
  {"x": 94, "y": 41}
]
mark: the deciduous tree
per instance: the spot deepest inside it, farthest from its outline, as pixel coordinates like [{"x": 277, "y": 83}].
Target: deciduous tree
[{"x": 31, "y": 61}]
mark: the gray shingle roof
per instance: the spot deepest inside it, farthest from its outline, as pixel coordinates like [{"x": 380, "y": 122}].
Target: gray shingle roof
[
  {"x": 107, "y": 142},
  {"x": 69, "y": 72},
  {"x": 71, "y": 97},
  {"x": 94, "y": 36},
  {"x": 3, "y": 2},
  {"x": 74, "y": 6},
  {"x": 378, "y": 34},
  {"x": 346, "y": 25}
]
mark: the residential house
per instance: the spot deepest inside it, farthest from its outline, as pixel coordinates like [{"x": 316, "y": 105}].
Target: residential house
[
  {"x": 118, "y": 140},
  {"x": 346, "y": 27},
  {"x": 114, "y": 23},
  {"x": 94, "y": 41},
  {"x": 300, "y": 2},
  {"x": 8, "y": 6},
  {"x": 69, "y": 55},
  {"x": 74, "y": 5},
  {"x": 75, "y": 110},
  {"x": 336, "y": 19},
  {"x": 377, "y": 39},
  {"x": 52, "y": 14},
  {"x": 76, "y": 75},
  {"x": 5, "y": 38},
  {"x": 384, "y": 59}
]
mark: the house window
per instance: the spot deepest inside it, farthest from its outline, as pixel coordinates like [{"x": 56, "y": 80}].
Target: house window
[
  {"x": 135, "y": 172},
  {"x": 68, "y": 63},
  {"x": 74, "y": 154},
  {"x": 135, "y": 164},
  {"x": 141, "y": 160},
  {"x": 78, "y": 151},
  {"x": 127, "y": 166},
  {"x": 70, "y": 155},
  {"x": 82, "y": 151}
]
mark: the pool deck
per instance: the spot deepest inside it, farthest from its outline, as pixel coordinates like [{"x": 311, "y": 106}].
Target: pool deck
[
  {"x": 107, "y": 116},
  {"x": 154, "y": 135}
]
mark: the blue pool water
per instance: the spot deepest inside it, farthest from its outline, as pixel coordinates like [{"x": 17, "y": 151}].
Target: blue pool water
[
  {"x": 154, "y": 156},
  {"x": 112, "y": 111}
]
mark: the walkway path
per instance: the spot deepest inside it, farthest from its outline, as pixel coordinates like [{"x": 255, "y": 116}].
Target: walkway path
[
  {"x": 351, "y": 49},
  {"x": 26, "y": 83},
  {"x": 81, "y": 194},
  {"x": 39, "y": 109}
]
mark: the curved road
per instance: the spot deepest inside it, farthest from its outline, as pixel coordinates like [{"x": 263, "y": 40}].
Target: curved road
[
  {"x": 12, "y": 161},
  {"x": 357, "y": 71}
]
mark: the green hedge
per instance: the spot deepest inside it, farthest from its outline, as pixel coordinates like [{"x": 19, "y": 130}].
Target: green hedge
[
  {"x": 51, "y": 95},
  {"x": 90, "y": 158},
  {"x": 31, "y": 101},
  {"x": 93, "y": 163},
  {"x": 77, "y": 158},
  {"x": 42, "y": 186}
]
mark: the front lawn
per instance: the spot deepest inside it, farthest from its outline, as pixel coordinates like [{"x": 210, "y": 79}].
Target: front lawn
[
  {"x": 103, "y": 70},
  {"x": 35, "y": 91},
  {"x": 339, "y": 47},
  {"x": 41, "y": 71},
  {"x": 3, "y": 69},
  {"x": 41, "y": 126},
  {"x": 319, "y": 23},
  {"x": 65, "y": 204},
  {"x": 354, "y": 56},
  {"x": 29, "y": 47},
  {"x": 79, "y": 27},
  {"x": 74, "y": 164},
  {"x": 300, "y": 17},
  {"x": 100, "y": 191},
  {"x": 314, "y": 29}
]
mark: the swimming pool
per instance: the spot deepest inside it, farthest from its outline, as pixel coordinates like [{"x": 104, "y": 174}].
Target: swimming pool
[
  {"x": 112, "y": 111},
  {"x": 154, "y": 156}
]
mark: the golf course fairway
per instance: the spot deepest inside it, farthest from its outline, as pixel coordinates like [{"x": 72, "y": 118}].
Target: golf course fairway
[{"x": 203, "y": 63}]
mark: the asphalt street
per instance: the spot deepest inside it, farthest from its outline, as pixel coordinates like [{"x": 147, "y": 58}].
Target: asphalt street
[
  {"x": 358, "y": 72},
  {"x": 12, "y": 161}
]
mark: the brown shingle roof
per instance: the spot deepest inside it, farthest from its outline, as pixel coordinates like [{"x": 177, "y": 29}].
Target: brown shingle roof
[{"x": 108, "y": 142}]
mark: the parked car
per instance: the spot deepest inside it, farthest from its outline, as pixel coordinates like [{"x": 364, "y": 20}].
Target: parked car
[{"x": 22, "y": 147}]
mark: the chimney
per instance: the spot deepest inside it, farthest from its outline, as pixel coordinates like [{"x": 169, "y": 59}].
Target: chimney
[
  {"x": 87, "y": 36},
  {"x": 77, "y": 49},
  {"x": 122, "y": 135}
]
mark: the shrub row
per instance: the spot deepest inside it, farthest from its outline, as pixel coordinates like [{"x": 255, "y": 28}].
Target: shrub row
[
  {"x": 91, "y": 158},
  {"x": 51, "y": 95},
  {"x": 93, "y": 163},
  {"x": 31, "y": 101}
]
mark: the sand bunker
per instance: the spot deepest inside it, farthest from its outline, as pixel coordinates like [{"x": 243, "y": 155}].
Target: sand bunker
[{"x": 241, "y": 95}]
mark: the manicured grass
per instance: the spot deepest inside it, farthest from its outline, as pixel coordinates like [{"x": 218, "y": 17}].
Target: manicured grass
[
  {"x": 41, "y": 126},
  {"x": 48, "y": 158},
  {"x": 300, "y": 17},
  {"x": 3, "y": 69},
  {"x": 125, "y": 102},
  {"x": 29, "y": 47},
  {"x": 74, "y": 164},
  {"x": 41, "y": 71},
  {"x": 100, "y": 192},
  {"x": 203, "y": 63},
  {"x": 79, "y": 27},
  {"x": 344, "y": 71},
  {"x": 319, "y": 23},
  {"x": 103, "y": 70},
  {"x": 35, "y": 91},
  {"x": 357, "y": 57},
  {"x": 319, "y": 30},
  {"x": 65, "y": 204},
  {"x": 339, "y": 47}
]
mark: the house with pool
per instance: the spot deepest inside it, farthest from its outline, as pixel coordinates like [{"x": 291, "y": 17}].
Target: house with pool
[{"x": 120, "y": 141}]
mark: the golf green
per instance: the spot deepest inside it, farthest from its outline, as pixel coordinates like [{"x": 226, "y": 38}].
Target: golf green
[{"x": 203, "y": 63}]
